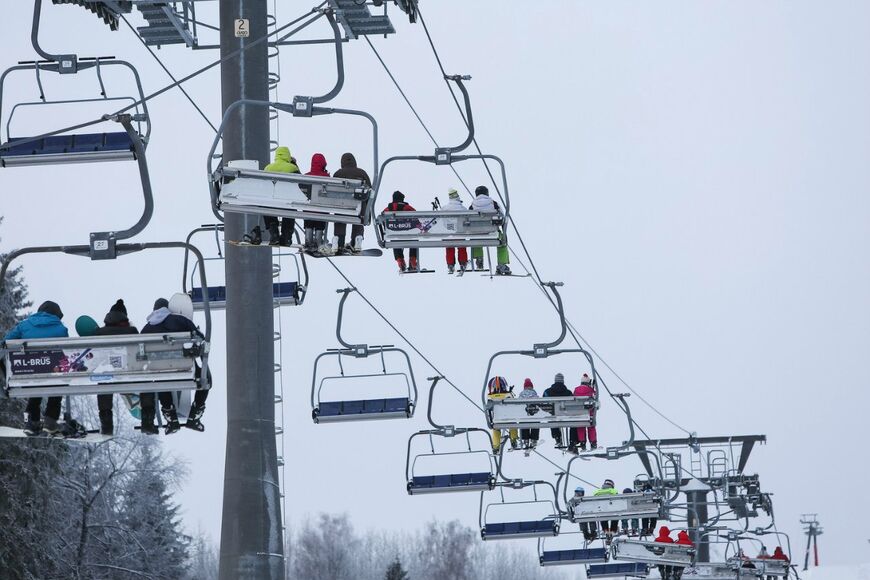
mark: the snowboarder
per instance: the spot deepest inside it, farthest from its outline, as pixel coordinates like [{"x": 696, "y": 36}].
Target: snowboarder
[
  {"x": 454, "y": 204},
  {"x": 664, "y": 537},
  {"x": 529, "y": 437},
  {"x": 115, "y": 322},
  {"x": 349, "y": 170},
  {"x": 44, "y": 323},
  {"x": 589, "y": 529},
  {"x": 497, "y": 390},
  {"x": 610, "y": 528},
  {"x": 174, "y": 315},
  {"x": 398, "y": 204},
  {"x": 284, "y": 163},
  {"x": 485, "y": 204},
  {"x": 586, "y": 389},
  {"x": 558, "y": 389},
  {"x": 315, "y": 231}
]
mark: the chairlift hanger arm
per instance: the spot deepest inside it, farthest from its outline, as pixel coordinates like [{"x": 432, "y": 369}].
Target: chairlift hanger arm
[
  {"x": 203, "y": 228},
  {"x": 449, "y": 151},
  {"x": 339, "y": 62}
]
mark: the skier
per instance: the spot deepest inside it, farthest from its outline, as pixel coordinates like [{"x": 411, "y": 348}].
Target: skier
[
  {"x": 778, "y": 554},
  {"x": 454, "y": 204},
  {"x": 174, "y": 315},
  {"x": 586, "y": 389},
  {"x": 635, "y": 523},
  {"x": 284, "y": 163},
  {"x": 398, "y": 204},
  {"x": 558, "y": 389},
  {"x": 648, "y": 525},
  {"x": 763, "y": 555},
  {"x": 497, "y": 390},
  {"x": 610, "y": 528},
  {"x": 589, "y": 529},
  {"x": 485, "y": 204},
  {"x": 664, "y": 537},
  {"x": 683, "y": 539},
  {"x": 349, "y": 170},
  {"x": 315, "y": 231},
  {"x": 115, "y": 322},
  {"x": 529, "y": 437},
  {"x": 44, "y": 323}
]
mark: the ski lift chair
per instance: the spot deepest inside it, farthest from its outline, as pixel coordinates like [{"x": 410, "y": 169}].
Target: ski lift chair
[
  {"x": 548, "y": 525},
  {"x": 117, "y": 364},
  {"x": 333, "y": 411},
  {"x": 541, "y": 412},
  {"x": 439, "y": 228},
  {"x": 617, "y": 570},
  {"x": 283, "y": 293},
  {"x": 652, "y": 553},
  {"x": 570, "y": 556},
  {"x": 616, "y": 507},
  {"x": 440, "y": 482},
  {"x": 53, "y": 148},
  {"x": 717, "y": 571}
]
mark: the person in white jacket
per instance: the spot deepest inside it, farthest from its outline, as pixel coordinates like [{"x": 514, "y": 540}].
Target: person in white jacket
[
  {"x": 485, "y": 204},
  {"x": 454, "y": 204}
]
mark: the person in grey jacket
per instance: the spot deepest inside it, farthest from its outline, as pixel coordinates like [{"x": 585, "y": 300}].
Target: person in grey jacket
[{"x": 529, "y": 437}]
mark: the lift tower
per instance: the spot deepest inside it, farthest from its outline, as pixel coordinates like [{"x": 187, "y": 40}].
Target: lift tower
[
  {"x": 813, "y": 529},
  {"x": 251, "y": 530}
]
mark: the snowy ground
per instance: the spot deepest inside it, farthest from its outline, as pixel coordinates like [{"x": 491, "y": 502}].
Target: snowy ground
[{"x": 859, "y": 572}]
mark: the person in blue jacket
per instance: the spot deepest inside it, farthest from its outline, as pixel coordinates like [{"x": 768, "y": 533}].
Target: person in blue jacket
[
  {"x": 172, "y": 316},
  {"x": 44, "y": 323}
]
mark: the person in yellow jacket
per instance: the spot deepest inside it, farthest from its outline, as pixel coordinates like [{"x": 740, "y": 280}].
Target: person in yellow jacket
[
  {"x": 610, "y": 528},
  {"x": 284, "y": 163},
  {"x": 497, "y": 389}
]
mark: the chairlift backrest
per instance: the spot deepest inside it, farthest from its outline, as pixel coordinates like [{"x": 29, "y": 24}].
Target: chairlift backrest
[
  {"x": 614, "y": 507},
  {"x": 618, "y": 570},
  {"x": 449, "y": 481},
  {"x": 653, "y": 553}
]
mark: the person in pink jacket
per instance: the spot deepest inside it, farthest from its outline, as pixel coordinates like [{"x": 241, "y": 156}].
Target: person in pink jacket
[{"x": 586, "y": 389}]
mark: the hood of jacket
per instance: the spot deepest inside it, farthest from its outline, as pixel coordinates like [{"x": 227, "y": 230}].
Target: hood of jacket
[
  {"x": 283, "y": 154},
  {"x": 44, "y": 320},
  {"x": 683, "y": 538},
  {"x": 182, "y": 305},
  {"x": 558, "y": 390},
  {"x": 664, "y": 535},
  {"x": 454, "y": 205},
  {"x": 38, "y": 325},
  {"x": 158, "y": 316},
  {"x": 348, "y": 160},
  {"x": 318, "y": 165},
  {"x": 483, "y": 203}
]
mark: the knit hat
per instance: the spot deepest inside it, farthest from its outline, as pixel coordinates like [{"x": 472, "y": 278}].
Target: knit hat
[
  {"x": 118, "y": 306},
  {"x": 579, "y": 490},
  {"x": 398, "y": 196},
  {"x": 560, "y": 378},
  {"x": 481, "y": 190},
  {"x": 161, "y": 303},
  {"x": 585, "y": 379},
  {"x": 50, "y": 307},
  {"x": 527, "y": 384},
  {"x": 86, "y": 326},
  {"x": 452, "y": 193},
  {"x": 608, "y": 483},
  {"x": 627, "y": 490}
]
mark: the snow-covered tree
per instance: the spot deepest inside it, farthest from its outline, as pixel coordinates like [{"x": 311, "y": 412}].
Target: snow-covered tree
[{"x": 395, "y": 571}]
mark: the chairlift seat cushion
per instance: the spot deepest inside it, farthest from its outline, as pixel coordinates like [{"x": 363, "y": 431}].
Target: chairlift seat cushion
[
  {"x": 70, "y": 144},
  {"x": 579, "y": 556},
  {"x": 364, "y": 407},
  {"x": 451, "y": 481},
  {"x": 543, "y": 527},
  {"x": 616, "y": 570}
]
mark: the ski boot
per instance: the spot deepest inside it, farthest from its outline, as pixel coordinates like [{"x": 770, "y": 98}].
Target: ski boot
[
  {"x": 357, "y": 246},
  {"x": 107, "y": 426},
  {"x": 401, "y": 263},
  {"x": 286, "y": 239},
  {"x": 462, "y": 267},
  {"x": 172, "y": 424},
  {"x": 503, "y": 270},
  {"x": 478, "y": 263},
  {"x": 451, "y": 268},
  {"x": 32, "y": 427},
  {"x": 148, "y": 427},
  {"x": 415, "y": 267},
  {"x": 255, "y": 238},
  {"x": 274, "y": 235},
  {"x": 593, "y": 445},
  {"x": 310, "y": 243},
  {"x": 193, "y": 418},
  {"x": 582, "y": 446},
  {"x": 572, "y": 449},
  {"x": 50, "y": 426}
]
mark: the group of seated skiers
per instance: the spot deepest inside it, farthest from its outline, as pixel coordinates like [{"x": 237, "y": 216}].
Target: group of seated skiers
[
  {"x": 636, "y": 527},
  {"x": 498, "y": 389},
  {"x": 173, "y": 315},
  {"x": 316, "y": 236}
]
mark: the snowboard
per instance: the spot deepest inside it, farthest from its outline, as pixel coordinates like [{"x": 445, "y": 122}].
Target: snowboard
[{"x": 14, "y": 433}]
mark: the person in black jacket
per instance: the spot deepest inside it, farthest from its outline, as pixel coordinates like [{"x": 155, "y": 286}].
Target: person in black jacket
[
  {"x": 398, "y": 204},
  {"x": 558, "y": 389},
  {"x": 115, "y": 322},
  {"x": 167, "y": 318},
  {"x": 349, "y": 170}
]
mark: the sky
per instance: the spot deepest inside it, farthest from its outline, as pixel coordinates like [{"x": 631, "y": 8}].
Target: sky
[{"x": 694, "y": 172}]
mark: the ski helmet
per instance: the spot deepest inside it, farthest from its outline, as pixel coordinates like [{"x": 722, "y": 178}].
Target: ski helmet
[{"x": 497, "y": 385}]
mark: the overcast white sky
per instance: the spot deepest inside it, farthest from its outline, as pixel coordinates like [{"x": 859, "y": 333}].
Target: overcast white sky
[{"x": 695, "y": 172}]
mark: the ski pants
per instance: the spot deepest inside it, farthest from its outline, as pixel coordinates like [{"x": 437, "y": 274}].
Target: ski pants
[
  {"x": 635, "y": 524},
  {"x": 610, "y": 526},
  {"x": 340, "y": 231},
  {"x": 399, "y": 253},
  {"x": 581, "y": 435},
  {"x": 502, "y": 255},
  {"x": 530, "y": 434},
  {"x": 287, "y": 225},
  {"x": 649, "y": 524},
  {"x": 104, "y": 402},
  {"x": 52, "y": 408},
  {"x": 590, "y": 530},
  {"x": 451, "y": 256},
  {"x": 496, "y": 438}
]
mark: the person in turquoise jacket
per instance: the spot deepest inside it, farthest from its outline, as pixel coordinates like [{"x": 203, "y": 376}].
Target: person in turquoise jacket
[
  {"x": 44, "y": 323},
  {"x": 610, "y": 528}
]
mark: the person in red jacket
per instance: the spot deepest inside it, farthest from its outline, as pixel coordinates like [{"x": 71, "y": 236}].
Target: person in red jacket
[
  {"x": 586, "y": 389},
  {"x": 315, "y": 231},
  {"x": 664, "y": 537},
  {"x": 683, "y": 539},
  {"x": 398, "y": 204},
  {"x": 778, "y": 554}
]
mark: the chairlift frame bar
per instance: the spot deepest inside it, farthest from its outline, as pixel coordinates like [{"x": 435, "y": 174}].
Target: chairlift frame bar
[{"x": 521, "y": 484}]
